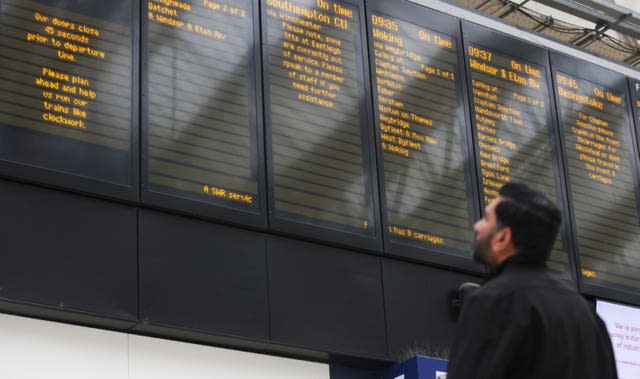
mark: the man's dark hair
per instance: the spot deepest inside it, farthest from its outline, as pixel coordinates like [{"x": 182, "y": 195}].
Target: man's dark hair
[{"x": 533, "y": 218}]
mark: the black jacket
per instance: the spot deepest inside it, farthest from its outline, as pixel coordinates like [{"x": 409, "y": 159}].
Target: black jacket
[{"x": 526, "y": 323}]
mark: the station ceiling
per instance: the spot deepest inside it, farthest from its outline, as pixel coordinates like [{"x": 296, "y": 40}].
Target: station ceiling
[{"x": 598, "y": 26}]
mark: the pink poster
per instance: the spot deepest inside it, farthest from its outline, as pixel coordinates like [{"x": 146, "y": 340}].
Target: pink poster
[{"x": 623, "y": 324}]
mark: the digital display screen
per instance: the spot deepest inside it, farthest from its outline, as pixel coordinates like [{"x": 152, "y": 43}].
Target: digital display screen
[
  {"x": 200, "y": 136},
  {"x": 452, "y": 113},
  {"x": 634, "y": 88},
  {"x": 421, "y": 134},
  {"x": 511, "y": 114},
  {"x": 601, "y": 173},
  {"x": 317, "y": 136},
  {"x": 66, "y": 88}
]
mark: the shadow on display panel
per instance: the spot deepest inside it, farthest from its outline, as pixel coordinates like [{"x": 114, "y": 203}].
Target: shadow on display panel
[
  {"x": 514, "y": 126},
  {"x": 429, "y": 196},
  {"x": 417, "y": 303},
  {"x": 202, "y": 150},
  {"x": 68, "y": 95},
  {"x": 320, "y": 163},
  {"x": 79, "y": 266},
  {"x": 201, "y": 277},
  {"x": 602, "y": 178},
  {"x": 326, "y": 299}
]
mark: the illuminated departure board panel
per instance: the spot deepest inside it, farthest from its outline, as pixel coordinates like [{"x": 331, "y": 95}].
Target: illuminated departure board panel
[
  {"x": 513, "y": 122},
  {"x": 601, "y": 172},
  {"x": 200, "y": 130},
  {"x": 317, "y": 125},
  {"x": 426, "y": 186},
  {"x": 634, "y": 88},
  {"x": 66, "y": 90}
]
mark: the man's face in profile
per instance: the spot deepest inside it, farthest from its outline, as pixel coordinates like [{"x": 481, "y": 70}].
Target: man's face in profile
[{"x": 485, "y": 229}]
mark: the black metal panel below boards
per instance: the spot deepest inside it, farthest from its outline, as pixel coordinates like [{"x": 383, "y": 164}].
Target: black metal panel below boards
[
  {"x": 202, "y": 277},
  {"x": 325, "y": 299},
  {"x": 67, "y": 252},
  {"x": 417, "y": 308}
]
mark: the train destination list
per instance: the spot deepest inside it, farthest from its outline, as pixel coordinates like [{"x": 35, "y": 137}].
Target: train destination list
[
  {"x": 416, "y": 87},
  {"x": 201, "y": 135},
  {"x": 601, "y": 176},
  {"x": 512, "y": 117}
]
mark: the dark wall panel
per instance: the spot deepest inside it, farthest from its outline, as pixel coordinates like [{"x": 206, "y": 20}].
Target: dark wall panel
[
  {"x": 201, "y": 276},
  {"x": 67, "y": 251},
  {"x": 417, "y": 308},
  {"x": 326, "y": 298}
]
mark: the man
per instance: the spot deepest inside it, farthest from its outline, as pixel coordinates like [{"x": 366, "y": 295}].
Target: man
[{"x": 524, "y": 322}]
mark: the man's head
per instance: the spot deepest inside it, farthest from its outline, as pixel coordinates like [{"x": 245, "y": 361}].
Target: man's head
[{"x": 519, "y": 221}]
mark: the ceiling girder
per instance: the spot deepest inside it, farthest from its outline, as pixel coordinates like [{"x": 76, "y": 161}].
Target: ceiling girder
[{"x": 600, "y": 12}]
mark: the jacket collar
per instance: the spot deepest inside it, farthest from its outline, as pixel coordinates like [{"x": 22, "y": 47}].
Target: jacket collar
[{"x": 514, "y": 261}]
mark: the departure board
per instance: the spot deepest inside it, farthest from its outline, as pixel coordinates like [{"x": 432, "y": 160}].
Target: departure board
[
  {"x": 66, "y": 90},
  {"x": 200, "y": 129},
  {"x": 512, "y": 118},
  {"x": 601, "y": 172},
  {"x": 425, "y": 176},
  {"x": 634, "y": 89},
  {"x": 318, "y": 144}
]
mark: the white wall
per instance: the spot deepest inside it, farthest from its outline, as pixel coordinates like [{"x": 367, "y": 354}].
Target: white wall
[{"x": 37, "y": 349}]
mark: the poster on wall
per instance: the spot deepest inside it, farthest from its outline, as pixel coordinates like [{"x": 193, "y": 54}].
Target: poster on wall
[{"x": 623, "y": 325}]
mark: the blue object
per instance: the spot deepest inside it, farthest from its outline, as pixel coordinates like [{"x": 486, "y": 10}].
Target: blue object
[{"x": 418, "y": 367}]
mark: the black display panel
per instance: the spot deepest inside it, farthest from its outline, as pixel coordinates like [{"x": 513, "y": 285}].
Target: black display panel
[
  {"x": 67, "y": 74},
  {"x": 428, "y": 199},
  {"x": 634, "y": 91},
  {"x": 201, "y": 124},
  {"x": 601, "y": 166},
  {"x": 513, "y": 121},
  {"x": 317, "y": 117}
]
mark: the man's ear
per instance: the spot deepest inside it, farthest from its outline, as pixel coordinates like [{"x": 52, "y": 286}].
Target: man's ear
[{"x": 503, "y": 242}]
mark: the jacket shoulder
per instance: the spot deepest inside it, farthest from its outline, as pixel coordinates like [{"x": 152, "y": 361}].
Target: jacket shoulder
[{"x": 524, "y": 278}]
